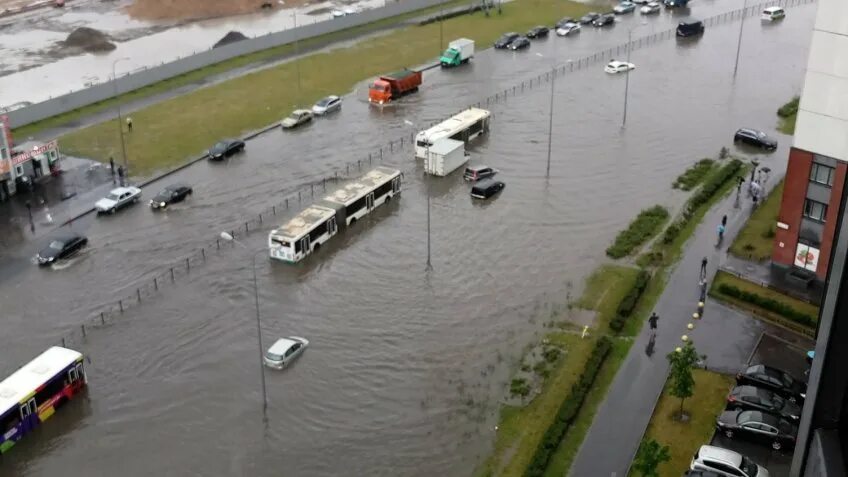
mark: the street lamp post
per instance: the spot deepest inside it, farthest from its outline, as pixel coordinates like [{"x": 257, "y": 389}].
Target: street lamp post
[
  {"x": 429, "y": 265},
  {"x": 230, "y": 238},
  {"x": 627, "y": 75},
  {"x": 296, "y": 52},
  {"x": 551, "y": 117},
  {"x": 118, "y": 101},
  {"x": 739, "y": 42}
]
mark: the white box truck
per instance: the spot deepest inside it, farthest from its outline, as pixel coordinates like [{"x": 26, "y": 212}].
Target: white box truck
[
  {"x": 458, "y": 52},
  {"x": 444, "y": 157}
]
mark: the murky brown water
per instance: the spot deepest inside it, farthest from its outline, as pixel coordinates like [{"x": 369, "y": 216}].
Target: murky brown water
[{"x": 405, "y": 368}]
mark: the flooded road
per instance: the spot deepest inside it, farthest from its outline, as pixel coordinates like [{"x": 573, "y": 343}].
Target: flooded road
[{"x": 405, "y": 368}]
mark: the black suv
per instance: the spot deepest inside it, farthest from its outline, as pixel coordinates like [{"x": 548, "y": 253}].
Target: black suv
[
  {"x": 690, "y": 28},
  {"x": 755, "y": 138},
  {"x": 505, "y": 40}
]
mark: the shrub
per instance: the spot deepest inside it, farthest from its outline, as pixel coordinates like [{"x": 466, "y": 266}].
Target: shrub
[
  {"x": 551, "y": 354},
  {"x": 769, "y": 304},
  {"x": 541, "y": 368},
  {"x": 567, "y": 412},
  {"x": 694, "y": 175},
  {"x": 519, "y": 387},
  {"x": 643, "y": 227},
  {"x": 789, "y": 108},
  {"x": 629, "y": 302}
]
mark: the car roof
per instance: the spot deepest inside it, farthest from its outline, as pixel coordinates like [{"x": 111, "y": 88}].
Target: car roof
[
  {"x": 300, "y": 111},
  {"x": 690, "y": 21},
  {"x": 281, "y": 345},
  {"x": 176, "y": 185},
  {"x": 477, "y": 167},
  {"x": 330, "y": 97},
  {"x": 759, "y": 416},
  {"x": 750, "y": 391},
  {"x": 66, "y": 237},
  {"x": 773, "y": 9},
  {"x": 485, "y": 183},
  {"x": 720, "y": 454},
  {"x": 121, "y": 190}
]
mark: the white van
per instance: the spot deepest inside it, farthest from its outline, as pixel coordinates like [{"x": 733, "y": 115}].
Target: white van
[{"x": 771, "y": 14}]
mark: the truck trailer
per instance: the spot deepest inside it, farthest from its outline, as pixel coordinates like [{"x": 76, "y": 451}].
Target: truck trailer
[
  {"x": 392, "y": 86},
  {"x": 445, "y": 156}
]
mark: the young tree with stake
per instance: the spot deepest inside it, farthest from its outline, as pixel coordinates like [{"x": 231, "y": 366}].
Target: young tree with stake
[
  {"x": 649, "y": 457},
  {"x": 681, "y": 381}
]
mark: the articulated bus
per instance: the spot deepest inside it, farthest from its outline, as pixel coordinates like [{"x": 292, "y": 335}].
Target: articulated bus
[
  {"x": 464, "y": 126},
  {"x": 34, "y": 392},
  {"x": 308, "y": 230}
]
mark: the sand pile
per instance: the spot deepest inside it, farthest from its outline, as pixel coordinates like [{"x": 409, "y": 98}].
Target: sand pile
[
  {"x": 230, "y": 37},
  {"x": 199, "y": 9},
  {"x": 89, "y": 40}
]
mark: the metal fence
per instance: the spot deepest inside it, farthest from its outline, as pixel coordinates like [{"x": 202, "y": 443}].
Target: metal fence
[{"x": 183, "y": 266}]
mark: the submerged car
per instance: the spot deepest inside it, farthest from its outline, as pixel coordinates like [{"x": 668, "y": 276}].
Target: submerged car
[
  {"x": 772, "y": 14},
  {"x": 298, "y": 117},
  {"x": 519, "y": 43},
  {"x": 225, "y": 148},
  {"x": 778, "y": 381},
  {"x": 689, "y": 28},
  {"x": 758, "y": 426},
  {"x": 568, "y": 29},
  {"x": 505, "y": 40},
  {"x": 616, "y": 66},
  {"x": 284, "y": 351},
  {"x": 475, "y": 173},
  {"x": 117, "y": 199},
  {"x": 750, "y": 397},
  {"x": 169, "y": 195},
  {"x": 756, "y": 138},
  {"x": 604, "y": 20},
  {"x": 63, "y": 246},
  {"x": 650, "y": 8},
  {"x": 589, "y": 18},
  {"x": 327, "y": 105},
  {"x": 624, "y": 7},
  {"x": 539, "y": 31},
  {"x": 486, "y": 188}
]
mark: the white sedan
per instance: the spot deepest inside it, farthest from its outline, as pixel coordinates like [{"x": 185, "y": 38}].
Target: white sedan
[
  {"x": 284, "y": 351},
  {"x": 616, "y": 66},
  {"x": 650, "y": 8},
  {"x": 118, "y": 198},
  {"x": 568, "y": 29}
]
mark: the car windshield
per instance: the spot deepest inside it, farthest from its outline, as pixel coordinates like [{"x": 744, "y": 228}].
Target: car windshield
[
  {"x": 219, "y": 147},
  {"x": 748, "y": 467},
  {"x": 113, "y": 196},
  {"x": 273, "y": 356},
  {"x": 294, "y": 116},
  {"x": 761, "y": 135},
  {"x": 57, "y": 245},
  {"x": 324, "y": 102}
]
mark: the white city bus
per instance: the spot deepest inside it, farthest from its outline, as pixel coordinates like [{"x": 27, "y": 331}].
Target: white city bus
[
  {"x": 464, "y": 126},
  {"x": 308, "y": 230}
]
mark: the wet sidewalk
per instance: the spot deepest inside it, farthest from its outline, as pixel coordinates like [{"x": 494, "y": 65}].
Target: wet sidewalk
[{"x": 726, "y": 336}]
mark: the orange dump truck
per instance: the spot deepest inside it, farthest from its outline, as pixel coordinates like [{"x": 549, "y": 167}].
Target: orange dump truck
[{"x": 394, "y": 85}]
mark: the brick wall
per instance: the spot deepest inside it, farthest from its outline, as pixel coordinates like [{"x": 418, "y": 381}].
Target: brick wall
[
  {"x": 792, "y": 206},
  {"x": 831, "y": 219}
]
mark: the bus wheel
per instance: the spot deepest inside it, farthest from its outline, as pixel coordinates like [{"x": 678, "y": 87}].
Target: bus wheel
[
  {"x": 316, "y": 248},
  {"x": 388, "y": 199},
  {"x": 352, "y": 221}
]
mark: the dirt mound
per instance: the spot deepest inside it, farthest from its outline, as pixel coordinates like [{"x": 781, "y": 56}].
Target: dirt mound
[
  {"x": 230, "y": 37},
  {"x": 200, "y": 9},
  {"x": 88, "y": 39}
]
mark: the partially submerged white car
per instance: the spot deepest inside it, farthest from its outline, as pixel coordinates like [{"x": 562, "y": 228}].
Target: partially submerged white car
[
  {"x": 284, "y": 351},
  {"x": 616, "y": 66},
  {"x": 117, "y": 199},
  {"x": 650, "y": 8}
]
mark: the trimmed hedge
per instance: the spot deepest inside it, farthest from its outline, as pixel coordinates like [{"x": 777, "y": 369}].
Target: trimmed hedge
[
  {"x": 769, "y": 304},
  {"x": 628, "y": 303},
  {"x": 568, "y": 410},
  {"x": 789, "y": 108},
  {"x": 694, "y": 175},
  {"x": 643, "y": 227}
]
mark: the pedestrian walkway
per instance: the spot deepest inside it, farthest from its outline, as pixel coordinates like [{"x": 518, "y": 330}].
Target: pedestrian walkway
[{"x": 725, "y": 335}]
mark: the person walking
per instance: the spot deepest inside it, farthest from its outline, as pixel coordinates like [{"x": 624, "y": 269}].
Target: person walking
[
  {"x": 129, "y": 124},
  {"x": 724, "y": 220},
  {"x": 652, "y": 321},
  {"x": 720, "y": 231},
  {"x": 704, "y": 268},
  {"x": 112, "y": 165},
  {"x": 121, "y": 175}
]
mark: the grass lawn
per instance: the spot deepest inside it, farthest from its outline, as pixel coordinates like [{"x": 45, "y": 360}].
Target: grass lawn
[
  {"x": 683, "y": 439},
  {"x": 756, "y": 240},
  {"x": 788, "y": 113},
  {"x": 745, "y": 285},
  {"x": 166, "y": 134},
  {"x": 520, "y": 429},
  {"x": 604, "y": 290},
  {"x": 787, "y": 125}
]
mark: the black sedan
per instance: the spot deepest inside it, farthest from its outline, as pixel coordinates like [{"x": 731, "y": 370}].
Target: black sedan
[
  {"x": 519, "y": 43},
  {"x": 758, "y": 426},
  {"x": 604, "y": 20},
  {"x": 61, "y": 247},
  {"x": 749, "y": 397},
  {"x": 225, "y": 148},
  {"x": 538, "y": 32},
  {"x": 755, "y": 138},
  {"x": 773, "y": 379},
  {"x": 505, "y": 40},
  {"x": 563, "y": 21},
  {"x": 169, "y": 195},
  {"x": 589, "y": 18}
]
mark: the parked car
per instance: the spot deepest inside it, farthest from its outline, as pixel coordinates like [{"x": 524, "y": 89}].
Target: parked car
[
  {"x": 624, "y": 7},
  {"x": 702, "y": 473},
  {"x": 604, "y": 20},
  {"x": 568, "y": 29},
  {"x": 117, "y": 199},
  {"x": 169, "y": 195},
  {"x": 690, "y": 28},
  {"x": 726, "y": 463},
  {"x": 758, "y": 426},
  {"x": 519, "y": 43},
  {"x": 615, "y": 66},
  {"x": 486, "y": 188},
  {"x": 756, "y": 138},
  {"x": 505, "y": 40},
  {"x": 225, "y": 148},
  {"x": 589, "y": 18},
  {"x": 562, "y": 21},
  {"x": 650, "y": 8},
  {"x": 750, "y": 397},
  {"x": 63, "y": 246},
  {"x": 298, "y": 117},
  {"x": 284, "y": 351},
  {"x": 475, "y": 173},
  {"x": 773, "y": 379},
  {"x": 539, "y": 31},
  {"x": 772, "y": 14},
  {"x": 327, "y": 105}
]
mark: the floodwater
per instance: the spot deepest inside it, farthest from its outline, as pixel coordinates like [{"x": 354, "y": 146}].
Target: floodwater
[
  {"x": 25, "y": 46},
  {"x": 405, "y": 367}
]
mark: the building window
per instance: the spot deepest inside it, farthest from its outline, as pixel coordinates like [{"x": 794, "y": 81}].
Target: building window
[
  {"x": 815, "y": 210},
  {"x": 822, "y": 174},
  {"x": 807, "y": 257}
]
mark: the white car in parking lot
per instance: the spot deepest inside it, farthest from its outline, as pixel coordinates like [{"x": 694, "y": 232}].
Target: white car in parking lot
[
  {"x": 616, "y": 66},
  {"x": 284, "y": 351},
  {"x": 726, "y": 463},
  {"x": 117, "y": 199},
  {"x": 650, "y": 8}
]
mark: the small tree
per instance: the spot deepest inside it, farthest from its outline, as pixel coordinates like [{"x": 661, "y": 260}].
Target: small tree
[
  {"x": 651, "y": 454},
  {"x": 681, "y": 381}
]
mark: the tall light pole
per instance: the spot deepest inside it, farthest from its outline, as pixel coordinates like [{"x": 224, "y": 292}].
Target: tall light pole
[
  {"x": 118, "y": 101},
  {"x": 739, "y": 42},
  {"x": 551, "y": 118},
  {"x": 296, "y": 51},
  {"x": 627, "y": 74},
  {"x": 441, "y": 30},
  {"x": 429, "y": 265},
  {"x": 230, "y": 238}
]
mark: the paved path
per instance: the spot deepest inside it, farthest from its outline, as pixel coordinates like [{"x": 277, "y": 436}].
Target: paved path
[{"x": 724, "y": 335}]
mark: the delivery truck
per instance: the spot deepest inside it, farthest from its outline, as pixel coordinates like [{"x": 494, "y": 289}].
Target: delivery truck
[
  {"x": 445, "y": 156},
  {"x": 458, "y": 52},
  {"x": 389, "y": 87}
]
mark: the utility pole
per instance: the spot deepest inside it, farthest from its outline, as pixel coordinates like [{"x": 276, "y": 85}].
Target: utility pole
[
  {"x": 739, "y": 42},
  {"x": 550, "y": 122},
  {"x": 627, "y": 79},
  {"x": 118, "y": 101},
  {"x": 297, "y": 52}
]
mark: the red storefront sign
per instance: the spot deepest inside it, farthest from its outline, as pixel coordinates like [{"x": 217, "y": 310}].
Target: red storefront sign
[{"x": 27, "y": 155}]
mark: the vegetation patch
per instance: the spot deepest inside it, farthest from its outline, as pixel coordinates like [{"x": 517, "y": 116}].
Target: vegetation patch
[
  {"x": 642, "y": 228},
  {"x": 694, "y": 175},
  {"x": 756, "y": 240},
  {"x": 605, "y": 290},
  {"x": 628, "y": 303},
  {"x": 788, "y": 113}
]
